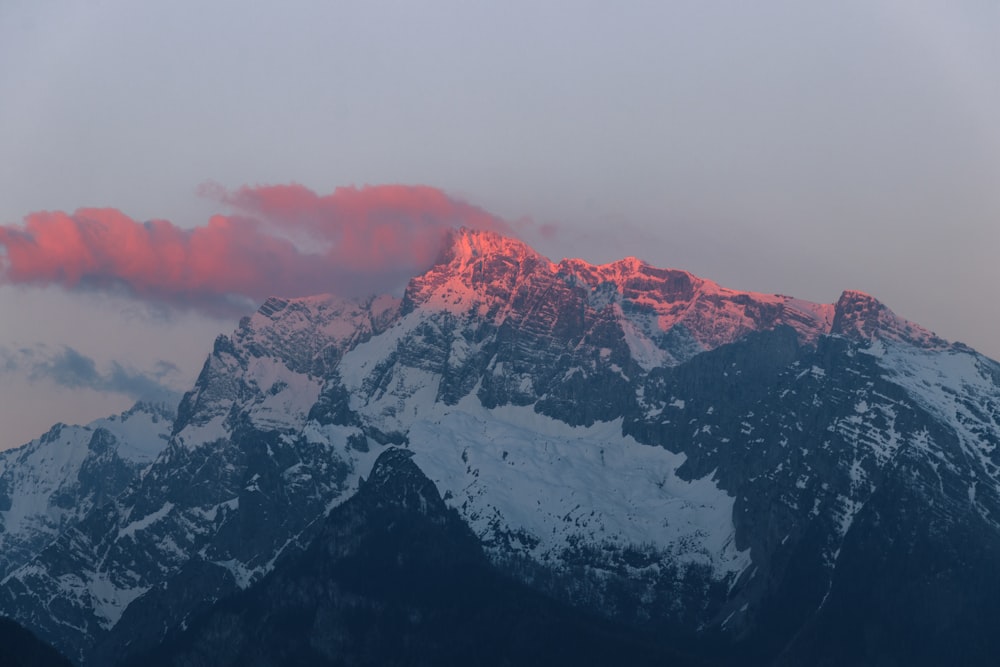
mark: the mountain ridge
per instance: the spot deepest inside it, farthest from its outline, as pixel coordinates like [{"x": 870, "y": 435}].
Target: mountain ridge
[{"x": 670, "y": 293}]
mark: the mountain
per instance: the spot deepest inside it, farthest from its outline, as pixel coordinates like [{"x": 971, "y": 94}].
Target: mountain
[
  {"x": 57, "y": 479},
  {"x": 759, "y": 478},
  {"x": 394, "y": 577}
]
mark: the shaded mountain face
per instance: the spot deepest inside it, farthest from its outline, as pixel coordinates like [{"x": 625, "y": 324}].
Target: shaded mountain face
[
  {"x": 20, "y": 648},
  {"x": 57, "y": 479},
  {"x": 717, "y": 467},
  {"x": 395, "y": 577}
]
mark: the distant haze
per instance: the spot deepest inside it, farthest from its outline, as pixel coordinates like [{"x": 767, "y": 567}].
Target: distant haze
[{"x": 799, "y": 148}]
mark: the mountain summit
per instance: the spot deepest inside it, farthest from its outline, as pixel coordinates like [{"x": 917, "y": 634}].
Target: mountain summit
[
  {"x": 753, "y": 478},
  {"x": 483, "y": 269}
]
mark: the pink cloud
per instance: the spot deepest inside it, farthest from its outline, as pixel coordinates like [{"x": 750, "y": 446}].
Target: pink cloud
[
  {"x": 371, "y": 226},
  {"x": 359, "y": 240}
]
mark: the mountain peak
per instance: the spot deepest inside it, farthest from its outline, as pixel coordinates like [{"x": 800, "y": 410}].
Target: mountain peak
[
  {"x": 860, "y": 315},
  {"x": 474, "y": 265},
  {"x": 464, "y": 245}
]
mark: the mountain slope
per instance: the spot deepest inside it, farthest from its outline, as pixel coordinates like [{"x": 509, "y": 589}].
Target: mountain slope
[
  {"x": 238, "y": 482},
  {"x": 395, "y": 578},
  {"x": 58, "y": 479}
]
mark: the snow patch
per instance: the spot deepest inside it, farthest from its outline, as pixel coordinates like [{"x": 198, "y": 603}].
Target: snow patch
[
  {"x": 510, "y": 471},
  {"x": 145, "y": 522}
]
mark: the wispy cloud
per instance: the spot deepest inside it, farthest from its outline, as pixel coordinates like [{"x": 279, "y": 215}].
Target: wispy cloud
[
  {"x": 70, "y": 368},
  {"x": 282, "y": 240}
]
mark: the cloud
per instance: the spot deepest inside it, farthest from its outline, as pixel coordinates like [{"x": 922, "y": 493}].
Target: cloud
[
  {"x": 282, "y": 240},
  {"x": 70, "y": 369},
  {"x": 143, "y": 387},
  {"x": 74, "y": 370}
]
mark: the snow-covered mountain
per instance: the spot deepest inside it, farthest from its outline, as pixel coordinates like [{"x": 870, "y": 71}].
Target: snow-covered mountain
[
  {"x": 59, "y": 478},
  {"x": 676, "y": 455}
]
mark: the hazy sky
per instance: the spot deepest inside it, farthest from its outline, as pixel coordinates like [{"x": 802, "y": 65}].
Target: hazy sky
[{"x": 799, "y": 148}]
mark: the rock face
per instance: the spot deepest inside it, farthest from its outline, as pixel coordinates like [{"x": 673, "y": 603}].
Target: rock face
[
  {"x": 744, "y": 475},
  {"x": 394, "y": 577},
  {"x": 239, "y": 482},
  {"x": 56, "y": 480}
]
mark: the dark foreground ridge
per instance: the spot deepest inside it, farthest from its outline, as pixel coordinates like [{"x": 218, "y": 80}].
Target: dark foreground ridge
[
  {"x": 397, "y": 578},
  {"x": 20, "y": 648}
]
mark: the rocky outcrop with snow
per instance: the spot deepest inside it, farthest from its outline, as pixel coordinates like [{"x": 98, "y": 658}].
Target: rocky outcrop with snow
[{"x": 57, "y": 479}]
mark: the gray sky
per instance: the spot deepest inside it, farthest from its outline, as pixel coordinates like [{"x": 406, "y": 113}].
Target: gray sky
[{"x": 800, "y": 148}]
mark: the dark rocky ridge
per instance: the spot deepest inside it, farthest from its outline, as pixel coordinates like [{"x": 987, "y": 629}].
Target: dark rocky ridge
[
  {"x": 396, "y": 578},
  {"x": 20, "y": 648}
]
